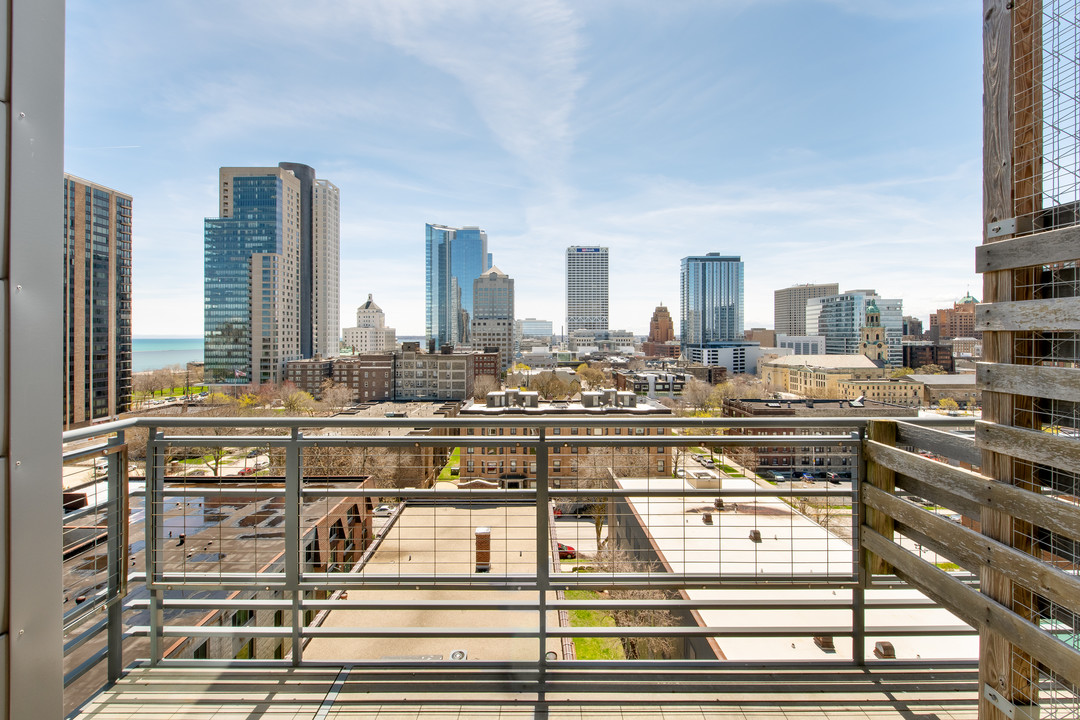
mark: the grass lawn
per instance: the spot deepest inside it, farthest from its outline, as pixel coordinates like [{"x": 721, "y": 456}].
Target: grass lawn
[
  {"x": 168, "y": 392},
  {"x": 455, "y": 459},
  {"x": 593, "y": 648}
]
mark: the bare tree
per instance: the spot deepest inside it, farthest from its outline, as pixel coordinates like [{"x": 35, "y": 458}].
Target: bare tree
[
  {"x": 614, "y": 560},
  {"x": 336, "y": 396},
  {"x": 590, "y": 377},
  {"x": 483, "y": 385},
  {"x": 698, "y": 395},
  {"x": 549, "y": 385}
]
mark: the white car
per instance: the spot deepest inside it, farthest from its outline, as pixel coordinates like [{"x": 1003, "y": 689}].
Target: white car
[{"x": 383, "y": 511}]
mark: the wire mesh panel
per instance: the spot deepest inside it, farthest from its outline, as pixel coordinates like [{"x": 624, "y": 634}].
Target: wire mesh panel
[{"x": 1046, "y": 62}]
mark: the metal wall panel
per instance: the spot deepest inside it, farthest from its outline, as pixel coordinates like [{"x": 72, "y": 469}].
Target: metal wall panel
[{"x": 34, "y": 289}]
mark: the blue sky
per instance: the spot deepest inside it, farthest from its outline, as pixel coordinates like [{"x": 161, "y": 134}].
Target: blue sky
[{"x": 821, "y": 140}]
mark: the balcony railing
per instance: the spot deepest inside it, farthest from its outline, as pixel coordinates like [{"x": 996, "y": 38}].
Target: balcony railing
[{"x": 318, "y": 541}]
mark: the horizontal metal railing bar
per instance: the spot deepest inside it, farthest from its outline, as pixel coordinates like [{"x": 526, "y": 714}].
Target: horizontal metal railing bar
[
  {"x": 530, "y": 495},
  {"x": 620, "y": 669},
  {"x": 89, "y": 483},
  {"x": 92, "y": 604},
  {"x": 88, "y": 510},
  {"x": 597, "y": 420},
  {"x": 245, "y": 631},
  {"x": 85, "y": 636},
  {"x": 85, "y": 666},
  {"x": 563, "y": 581},
  {"x": 525, "y": 605},
  {"x": 103, "y": 450},
  {"x": 525, "y": 441}
]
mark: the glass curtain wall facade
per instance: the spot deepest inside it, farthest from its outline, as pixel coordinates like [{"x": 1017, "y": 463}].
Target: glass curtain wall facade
[
  {"x": 97, "y": 302},
  {"x": 453, "y": 259},
  {"x": 586, "y": 288},
  {"x": 251, "y": 279},
  {"x": 840, "y": 319},
  {"x": 711, "y": 295}
]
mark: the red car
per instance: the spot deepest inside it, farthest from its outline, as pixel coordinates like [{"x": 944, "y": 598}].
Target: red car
[{"x": 566, "y": 552}]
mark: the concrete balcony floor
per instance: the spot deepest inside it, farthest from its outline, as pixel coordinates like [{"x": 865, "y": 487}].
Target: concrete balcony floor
[{"x": 879, "y": 692}]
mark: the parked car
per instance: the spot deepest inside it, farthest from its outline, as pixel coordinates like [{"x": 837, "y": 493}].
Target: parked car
[
  {"x": 566, "y": 552},
  {"x": 383, "y": 511},
  {"x": 247, "y": 471}
]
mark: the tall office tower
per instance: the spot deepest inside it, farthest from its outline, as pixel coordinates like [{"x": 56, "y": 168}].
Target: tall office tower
[
  {"x": 325, "y": 273},
  {"x": 661, "y": 328},
  {"x": 493, "y": 314},
  {"x": 840, "y": 319},
  {"x": 789, "y": 306},
  {"x": 370, "y": 334},
  {"x": 252, "y": 311},
  {"x": 97, "y": 302},
  {"x": 318, "y": 266},
  {"x": 711, "y": 288},
  {"x": 454, "y": 258},
  {"x": 586, "y": 288}
]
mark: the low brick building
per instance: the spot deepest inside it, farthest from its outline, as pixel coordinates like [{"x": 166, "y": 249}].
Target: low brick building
[{"x": 516, "y": 466}]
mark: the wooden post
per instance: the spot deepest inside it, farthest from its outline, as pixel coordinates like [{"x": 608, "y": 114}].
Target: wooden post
[
  {"x": 1012, "y": 188},
  {"x": 884, "y": 432}
]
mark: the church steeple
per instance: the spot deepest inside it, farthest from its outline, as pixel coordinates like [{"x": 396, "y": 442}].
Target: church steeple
[{"x": 872, "y": 335}]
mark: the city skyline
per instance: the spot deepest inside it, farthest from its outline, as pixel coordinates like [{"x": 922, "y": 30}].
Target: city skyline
[{"x": 539, "y": 106}]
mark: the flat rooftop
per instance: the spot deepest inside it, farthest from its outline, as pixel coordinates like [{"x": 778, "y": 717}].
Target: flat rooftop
[{"x": 792, "y": 544}]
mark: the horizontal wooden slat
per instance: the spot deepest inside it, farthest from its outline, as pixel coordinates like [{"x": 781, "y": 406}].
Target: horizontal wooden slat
[
  {"x": 1057, "y": 451},
  {"x": 932, "y": 544},
  {"x": 1037, "y": 509},
  {"x": 1042, "y": 248},
  {"x": 971, "y": 547},
  {"x": 975, "y": 608},
  {"x": 939, "y": 496},
  {"x": 950, "y": 445},
  {"x": 1029, "y": 315},
  {"x": 1030, "y": 380}
]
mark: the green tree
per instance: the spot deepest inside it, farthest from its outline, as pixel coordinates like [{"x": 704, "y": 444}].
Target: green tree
[
  {"x": 901, "y": 372},
  {"x": 930, "y": 370},
  {"x": 948, "y": 404}
]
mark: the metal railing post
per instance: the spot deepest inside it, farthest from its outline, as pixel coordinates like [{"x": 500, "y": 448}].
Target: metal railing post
[
  {"x": 292, "y": 539},
  {"x": 858, "y": 592},
  {"x": 153, "y": 503},
  {"x": 117, "y": 524},
  {"x": 543, "y": 546}
]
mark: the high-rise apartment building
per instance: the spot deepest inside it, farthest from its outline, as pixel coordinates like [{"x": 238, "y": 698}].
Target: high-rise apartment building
[
  {"x": 711, "y": 289},
  {"x": 97, "y": 302},
  {"x": 251, "y": 284},
  {"x": 370, "y": 334},
  {"x": 840, "y": 319},
  {"x": 325, "y": 319},
  {"x": 271, "y": 282},
  {"x": 789, "y": 306},
  {"x": 586, "y": 288},
  {"x": 493, "y": 314},
  {"x": 454, "y": 258}
]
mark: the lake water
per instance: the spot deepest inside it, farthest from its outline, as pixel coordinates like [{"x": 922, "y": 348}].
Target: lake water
[{"x": 154, "y": 353}]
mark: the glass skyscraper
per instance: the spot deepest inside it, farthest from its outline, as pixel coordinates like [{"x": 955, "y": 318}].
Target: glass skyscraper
[
  {"x": 454, "y": 258},
  {"x": 840, "y": 319},
  {"x": 711, "y": 299},
  {"x": 251, "y": 277}
]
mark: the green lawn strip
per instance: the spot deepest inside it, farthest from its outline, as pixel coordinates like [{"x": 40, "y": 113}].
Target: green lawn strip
[
  {"x": 178, "y": 391},
  {"x": 593, "y": 648},
  {"x": 455, "y": 459}
]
